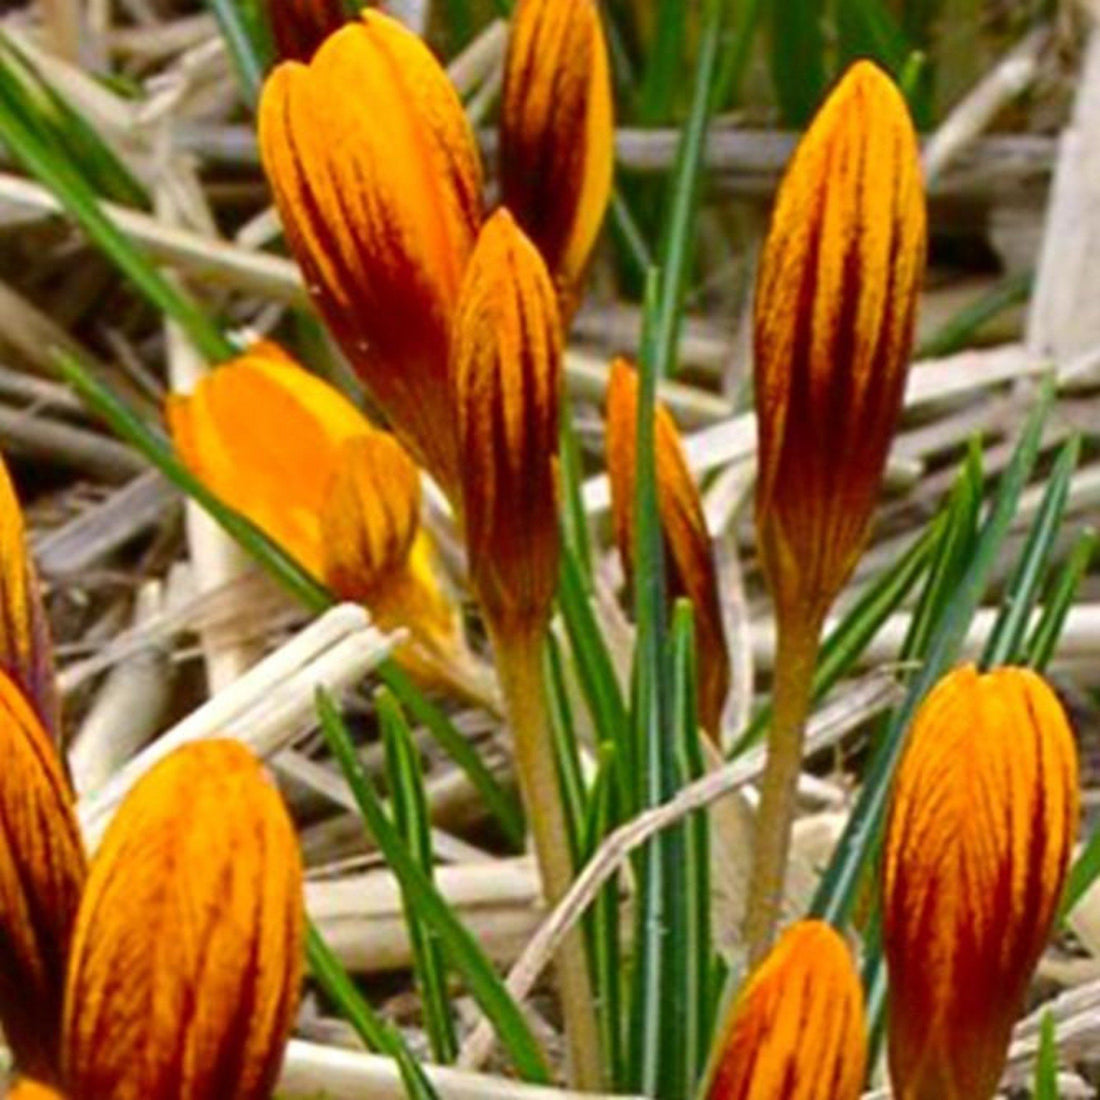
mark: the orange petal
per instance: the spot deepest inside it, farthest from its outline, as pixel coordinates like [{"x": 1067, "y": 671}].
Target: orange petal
[
  {"x": 557, "y": 133},
  {"x": 688, "y": 555},
  {"x": 26, "y": 653},
  {"x": 378, "y": 182},
  {"x": 300, "y": 26},
  {"x": 26, "y": 1089},
  {"x": 982, "y": 822},
  {"x": 42, "y": 873},
  {"x": 265, "y": 435},
  {"x": 507, "y": 369},
  {"x": 796, "y": 1032},
  {"x": 186, "y": 962},
  {"x": 835, "y": 306}
]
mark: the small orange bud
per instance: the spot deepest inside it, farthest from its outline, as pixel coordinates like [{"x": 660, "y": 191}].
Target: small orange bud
[
  {"x": 835, "y": 306},
  {"x": 300, "y": 26},
  {"x": 557, "y": 134},
  {"x": 42, "y": 874},
  {"x": 186, "y": 962},
  {"x": 378, "y": 182},
  {"x": 26, "y": 1089},
  {"x": 797, "y": 1030},
  {"x": 506, "y": 370},
  {"x": 981, "y": 826},
  {"x": 688, "y": 554}
]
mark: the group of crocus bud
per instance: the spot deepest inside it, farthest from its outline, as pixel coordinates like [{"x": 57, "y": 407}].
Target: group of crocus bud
[{"x": 981, "y": 826}]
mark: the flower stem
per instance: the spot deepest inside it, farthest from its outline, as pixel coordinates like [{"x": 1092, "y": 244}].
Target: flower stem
[
  {"x": 794, "y": 672},
  {"x": 519, "y": 664}
]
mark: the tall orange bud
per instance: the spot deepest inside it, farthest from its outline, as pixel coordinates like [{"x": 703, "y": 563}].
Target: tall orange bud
[
  {"x": 557, "y": 134},
  {"x": 186, "y": 963},
  {"x": 506, "y": 371},
  {"x": 300, "y": 26},
  {"x": 26, "y": 1089},
  {"x": 42, "y": 874},
  {"x": 836, "y": 301},
  {"x": 684, "y": 527},
  {"x": 378, "y": 183},
  {"x": 981, "y": 827},
  {"x": 797, "y": 1030}
]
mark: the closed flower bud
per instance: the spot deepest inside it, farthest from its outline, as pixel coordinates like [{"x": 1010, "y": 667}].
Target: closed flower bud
[
  {"x": 557, "y": 134},
  {"x": 378, "y": 183},
  {"x": 507, "y": 378},
  {"x": 26, "y": 1089},
  {"x": 688, "y": 556},
  {"x": 186, "y": 962},
  {"x": 835, "y": 306},
  {"x": 42, "y": 873},
  {"x": 796, "y": 1032},
  {"x": 981, "y": 826},
  {"x": 300, "y": 26}
]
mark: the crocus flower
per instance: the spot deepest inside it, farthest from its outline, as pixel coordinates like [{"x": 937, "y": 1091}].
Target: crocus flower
[
  {"x": 796, "y": 1031},
  {"x": 981, "y": 827},
  {"x": 557, "y": 134},
  {"x": 688, "y": 556},
  {"x": 27, "y": 1089},
  {"x": 836, "y": 301},
  {"x": 186, "y": 963},
  {"x": 300, "y": 26},
  {"x": 378, "y": 182}
]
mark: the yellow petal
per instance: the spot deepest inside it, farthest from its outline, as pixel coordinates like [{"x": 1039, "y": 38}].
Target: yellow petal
[
  {"x": 186, "y": 962},
  {"x": 981, "y": 827},
  {"x": 300, "y": 26},
  {"x": 797, "y": 1031},
  {"x": 557, "y": 133},
  {"x": 26, "y": 1089},
  {"x": 507, "y": 369},
  {"x": 378, "y": 182},
  {"x": 688, "y": 557},
  {"x": 835, "y": 305},
  {"x": 265, "y": 435},
  {"x": 42, "y": 874}
]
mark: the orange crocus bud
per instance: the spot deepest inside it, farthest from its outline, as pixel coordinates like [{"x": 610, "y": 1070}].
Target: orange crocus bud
[
  {"x": 557, "y": 134},
  {"x": 835, "y": 307},
  {"x": 797, "y": 1030},
  {"x": 42, "y": 873},
  {"x": 981, "y": 826},
  {"x": 507, "y": 369},
  {"x": 378, "y": 182},
  {"x": 26, "y": 1089},
  {"x": 300, "y": 26},
  {"x": 186, "y": 963},
  {"x": 688, "y": 556}
]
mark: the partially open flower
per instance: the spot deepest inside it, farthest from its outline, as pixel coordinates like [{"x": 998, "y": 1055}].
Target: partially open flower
[
  {"x": 42, "y": 873},
  {"x": 507, "y": 378},
  {"x": 557, "y": 134},
  {"x": 300, "y": 26},
  {"x": 981, "y": 827},
  {"x": 835, "y": 307},
  {"x": 688, "y": 555},
  {"x": 796, "y": 1032},
  {"x": 378, "y": 182},
  {"x": 186, "y": 962}
]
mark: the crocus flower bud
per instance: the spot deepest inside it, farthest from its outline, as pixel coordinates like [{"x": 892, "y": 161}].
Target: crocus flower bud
[
  {"x": 186, "y": 963},
  {"x": 981, "y": 826},
  {"x": 26, "y": 1089},
  {"x": 835, "y": 306},
  {"x": 688, "y": 556},
  {"x": 378, "y": 182},
  {"x": 42, "y": 874},
  {"x": 300, "y": 26},
  {"x": 796, "y": 1032},
  {"x": 557, "y": 134},
  {"x": 506, "y": 370}
]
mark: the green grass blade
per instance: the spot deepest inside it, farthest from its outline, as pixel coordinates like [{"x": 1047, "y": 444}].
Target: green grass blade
[
  {"x": 249, "y": 44},
  {"x": 1046, "y": 1065},
  {"x": 463, "y": 951},
  {"x": 574, "y": 521},
  {"x": 566, "y": 750},
  {"x": 1083, "y": 873},
  {"x": 411, "y": 817},
  {"x": 958, "y": 332},
  {"x": 735, "y": 56},
  {"x": 1006, "y": 641},
  {"x": 1044, "y": 639},
  {"x": 866, "y": 28},
  {"x": 837, "y": 890},
  {"x": 370, "y": 1027},
  {"x": 660, "y": 80},
  {"x": 798, "y": 58}
]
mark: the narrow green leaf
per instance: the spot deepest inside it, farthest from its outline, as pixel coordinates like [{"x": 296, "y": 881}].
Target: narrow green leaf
[
  {"x": 1044, "y": 639},
  {"x": 413, "y": 822},
  {"x": 249, "y": 45},
  {"x": 1083, "y": 873},
  {"x": 574, "y": 521},
  {"x": 660, "y": 81},
  {"x": 735, "y": 57},
  {"x": 566, "y": 750},
  {"x": 1046, "y": 1065},
  {"x": 958, "y": 332},
  {"x": 463, "y": 951},
  {"x": 798, "y": 58},
  {"x": 866, "y": 28}
]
